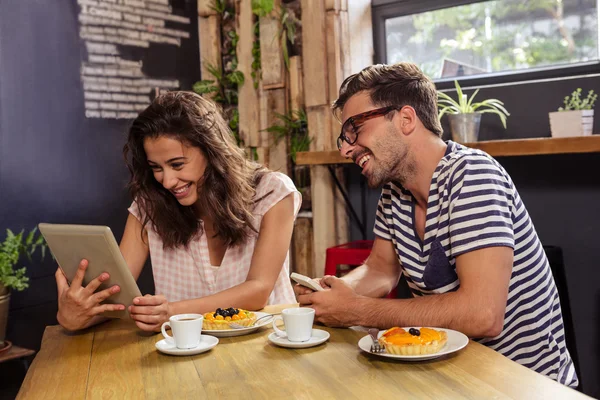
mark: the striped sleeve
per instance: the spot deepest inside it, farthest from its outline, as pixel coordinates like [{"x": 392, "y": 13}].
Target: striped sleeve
[
  {"x": 384, "y": 210},
  {"x": 480, "y": 206}
]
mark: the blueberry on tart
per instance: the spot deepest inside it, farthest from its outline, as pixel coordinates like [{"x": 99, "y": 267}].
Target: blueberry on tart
[{"x": 222, "y": 317}]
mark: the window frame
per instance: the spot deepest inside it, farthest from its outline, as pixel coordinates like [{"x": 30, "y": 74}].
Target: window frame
[{"x": 385, "y": 9}]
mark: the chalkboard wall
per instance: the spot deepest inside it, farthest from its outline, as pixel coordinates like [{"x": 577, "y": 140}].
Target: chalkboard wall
[{"x": 56, "y": 165}]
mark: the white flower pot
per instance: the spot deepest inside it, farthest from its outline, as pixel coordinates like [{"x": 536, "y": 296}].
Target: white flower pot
[{"x": 571, "y": 123}]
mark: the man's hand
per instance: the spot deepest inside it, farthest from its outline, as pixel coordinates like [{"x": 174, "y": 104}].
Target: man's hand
[
  {"x": 338, "y": 306},
  {"x": 302, "y": 290},
  {"x": 150, "y": 312},
  {"x": 78, "y": 305}
]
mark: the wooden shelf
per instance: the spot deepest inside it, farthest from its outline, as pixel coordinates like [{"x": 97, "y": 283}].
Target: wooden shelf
[{"x": 495, "y": 148}]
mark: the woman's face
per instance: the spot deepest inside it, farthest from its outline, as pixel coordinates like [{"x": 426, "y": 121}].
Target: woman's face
[{"x": 177, "y": 166}]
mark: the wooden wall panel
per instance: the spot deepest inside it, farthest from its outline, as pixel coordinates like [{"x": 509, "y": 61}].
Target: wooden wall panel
[
  {"x": 314, "y": 49},
  {"x": 315, "y": 63},
  {"x": 336, "y": 5},
  {"x": 296, "y": 82},
  {"x": 209, "y": 32},
  {"x": 263, "y": 155},
  {"x": 205, "y": 8},
  {"x": 271, "y": 54},
  {"x": 319, "y": 127},
  {"x": 278, "y": 152},
  {"x": 248, "y": 96},
  {"x": 338, "y": 62},
  {"x": 324, "y": 229},
  {"x": 342, "y": 219},
  {"x": 334, "y": 60},
  {"x": 302, "y": 244},
  {"x": 338, "y": 57},
  {"x": 361, "y": 40}
]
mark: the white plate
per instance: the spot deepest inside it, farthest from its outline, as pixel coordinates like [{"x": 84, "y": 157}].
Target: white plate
[
  {"x": 242, "y": 331},
  {"x": 206, "y": 343},
  {"x": 456, "y": 341},
  {"x": 318, "y": 336}
]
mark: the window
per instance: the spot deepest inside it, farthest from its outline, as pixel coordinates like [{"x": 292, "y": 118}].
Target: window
[{"x": 496, "y": 37}]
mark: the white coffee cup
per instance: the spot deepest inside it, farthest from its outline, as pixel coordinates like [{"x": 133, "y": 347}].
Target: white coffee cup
[
  {"x": 186, "y": 328},
  {"x": 298, "y": 324}
]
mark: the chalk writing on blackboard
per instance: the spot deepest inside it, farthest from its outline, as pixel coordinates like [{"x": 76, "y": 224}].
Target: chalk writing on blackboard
[{"x": 114, "y": 86}]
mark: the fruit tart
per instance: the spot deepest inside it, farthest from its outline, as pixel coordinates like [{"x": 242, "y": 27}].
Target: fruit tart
[
  {"x": 222, "y": 317},
  {"x": 415, "y": 342}
]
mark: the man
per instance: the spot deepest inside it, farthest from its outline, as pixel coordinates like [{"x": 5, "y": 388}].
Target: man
[{"x": 451, "y": 221}]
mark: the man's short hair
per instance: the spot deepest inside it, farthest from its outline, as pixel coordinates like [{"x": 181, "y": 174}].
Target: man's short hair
[{"x": 401, "y": 84}]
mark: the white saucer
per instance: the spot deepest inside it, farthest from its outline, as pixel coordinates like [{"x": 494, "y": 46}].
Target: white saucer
[
  {"x": 456, "y": 341},
  {"x": 207, "y": 342},
  {"x": 318, "y": 336}
]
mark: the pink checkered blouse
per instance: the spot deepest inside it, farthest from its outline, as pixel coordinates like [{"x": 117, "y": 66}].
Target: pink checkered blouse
[{"x": 181, "y": 274}]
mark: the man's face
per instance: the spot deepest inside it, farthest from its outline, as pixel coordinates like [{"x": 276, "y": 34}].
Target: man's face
[{"x": 380, "y": 149}]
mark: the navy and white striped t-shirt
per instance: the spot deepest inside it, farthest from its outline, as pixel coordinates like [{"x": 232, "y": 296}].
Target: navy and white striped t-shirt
[{"x": 474, "y": 204}]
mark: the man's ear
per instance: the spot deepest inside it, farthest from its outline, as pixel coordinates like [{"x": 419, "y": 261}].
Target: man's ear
[{"x": 407, "y": 120}]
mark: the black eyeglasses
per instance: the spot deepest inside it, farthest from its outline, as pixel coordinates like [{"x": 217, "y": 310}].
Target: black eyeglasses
[{"x": 349, "y": 132}]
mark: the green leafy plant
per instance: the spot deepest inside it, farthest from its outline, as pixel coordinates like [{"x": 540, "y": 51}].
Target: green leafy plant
[
  {"x": 465, "y": 105},
  {"x": 287, "y": 33},
  {"x": 226, "y": 80},
  {"x": 219, "y": 6},
  {"x": 11, "y": 250},
  {"x": 575, "y": 102},
  {"x": 225, "y": 90},
  {"x": 256, "y": 65},
  {"x": 262, "y": 8},
  {"x": 224, "y": 85},
  {"x": 293, "y": 125}
]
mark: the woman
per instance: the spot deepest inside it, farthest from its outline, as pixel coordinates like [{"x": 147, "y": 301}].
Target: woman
[{"x": 216, "y": 225}]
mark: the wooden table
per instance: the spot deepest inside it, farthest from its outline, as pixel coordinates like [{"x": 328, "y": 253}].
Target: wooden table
[{"x": 115, "y": 360}]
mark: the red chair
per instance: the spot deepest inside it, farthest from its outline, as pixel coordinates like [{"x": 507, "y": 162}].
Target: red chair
[{"x": 353, "y": 254}]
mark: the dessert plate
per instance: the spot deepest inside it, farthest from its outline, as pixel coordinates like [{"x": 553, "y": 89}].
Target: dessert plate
[
  {"x": 240, "y": 331},
  {"x": 456, "y": 341},
  {"x": 318, "y": 336},
  {"x": 206, "y": 343}
]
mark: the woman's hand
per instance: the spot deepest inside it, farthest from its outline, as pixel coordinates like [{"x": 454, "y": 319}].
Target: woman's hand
[
  {"x": 78, "y": 305},
  {"x": 150, "y": 312}
]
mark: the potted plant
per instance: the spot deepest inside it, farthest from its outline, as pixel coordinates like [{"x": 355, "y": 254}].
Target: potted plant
[
  {"x": 465, "y": 115},
  {"x": 11, "y": 250},
  {"x": 576, "y": 118}
]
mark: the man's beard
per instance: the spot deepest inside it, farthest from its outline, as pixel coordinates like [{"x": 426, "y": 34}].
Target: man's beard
[{"x": 394, "y": 162}]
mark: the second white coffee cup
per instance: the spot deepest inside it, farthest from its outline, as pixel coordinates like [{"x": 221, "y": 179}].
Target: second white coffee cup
[
  {"x": 186, "y": 328},
  {"x": 298, "y": 324}
]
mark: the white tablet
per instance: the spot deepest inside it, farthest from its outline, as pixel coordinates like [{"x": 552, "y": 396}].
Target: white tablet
[{"x": 70, "y": 244}]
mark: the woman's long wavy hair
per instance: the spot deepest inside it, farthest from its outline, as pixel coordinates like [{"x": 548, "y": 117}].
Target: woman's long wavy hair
[{"x": 227, "y": 188}]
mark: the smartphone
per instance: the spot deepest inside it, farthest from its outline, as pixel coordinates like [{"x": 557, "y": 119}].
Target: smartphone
[{"x": 306, "y": 281}]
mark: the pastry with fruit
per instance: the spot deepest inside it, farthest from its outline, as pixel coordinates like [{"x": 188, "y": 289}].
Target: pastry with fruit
[
  {"x": 222, "y": 317},
  {"x": 414, "y": 342}
]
